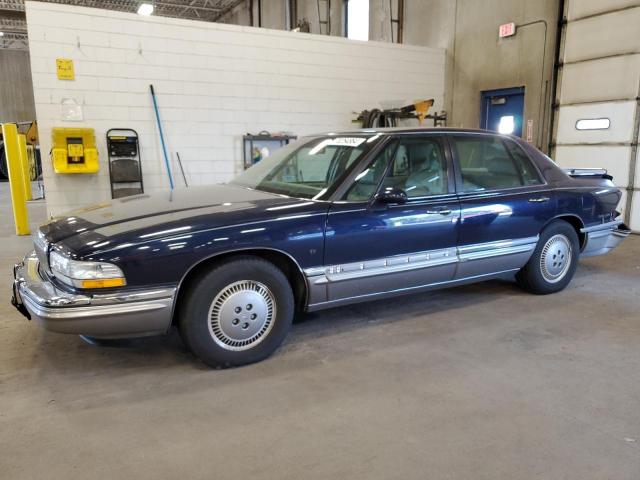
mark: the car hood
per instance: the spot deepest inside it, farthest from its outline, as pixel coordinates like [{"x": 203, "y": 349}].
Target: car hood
[{"x": 167, "y": 213}]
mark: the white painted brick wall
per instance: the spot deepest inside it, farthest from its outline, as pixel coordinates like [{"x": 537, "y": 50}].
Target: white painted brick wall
[{"x": 214, "y": 83}]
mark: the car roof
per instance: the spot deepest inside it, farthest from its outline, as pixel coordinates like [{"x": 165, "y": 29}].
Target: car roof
[{"x": 394, "y": 130}]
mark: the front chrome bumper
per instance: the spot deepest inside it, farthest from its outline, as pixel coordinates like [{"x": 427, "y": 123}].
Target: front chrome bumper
[
  {"x": 603, "y": 238},
  {"x": 132, "y": 314}
]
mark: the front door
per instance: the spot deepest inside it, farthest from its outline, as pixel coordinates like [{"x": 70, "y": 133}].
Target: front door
[
  {"x": 502, "y": 111},
  {"x": 373, "y": 247},
  {"x": 505, "y": 204}
]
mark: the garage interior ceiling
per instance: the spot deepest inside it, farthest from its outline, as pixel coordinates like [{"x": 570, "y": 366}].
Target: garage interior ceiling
[{"x": 13, "y": 22}]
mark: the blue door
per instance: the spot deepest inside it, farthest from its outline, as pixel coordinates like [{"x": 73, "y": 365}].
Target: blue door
[
  {"x": 502, "y": 110},
  {"x": 373, "y": 247}
]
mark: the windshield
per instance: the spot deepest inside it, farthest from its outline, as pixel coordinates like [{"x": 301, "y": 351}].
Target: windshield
[{"x": 308, "y": 168}]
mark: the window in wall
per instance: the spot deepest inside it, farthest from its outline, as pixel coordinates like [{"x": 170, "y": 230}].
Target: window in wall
[
  {"x": 358, "y": 19},
  {"x": 593, "y": 124}
]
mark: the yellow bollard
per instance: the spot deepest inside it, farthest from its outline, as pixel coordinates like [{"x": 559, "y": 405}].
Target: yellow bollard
[
  {"x": 12, "y": 154},
  {"x": 24, "y": 163}
]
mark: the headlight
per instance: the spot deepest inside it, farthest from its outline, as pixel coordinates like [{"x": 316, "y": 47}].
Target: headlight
[{"x": 85, "y": 274}]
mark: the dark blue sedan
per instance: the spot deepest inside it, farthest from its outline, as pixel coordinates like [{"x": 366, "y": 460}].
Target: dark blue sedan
[{"x": 330, "y": 220}]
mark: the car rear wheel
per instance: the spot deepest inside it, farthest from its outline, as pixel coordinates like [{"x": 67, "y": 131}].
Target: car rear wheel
[
  {"x": 554, "y": 261},
  {"x": 237, "y": 313}
]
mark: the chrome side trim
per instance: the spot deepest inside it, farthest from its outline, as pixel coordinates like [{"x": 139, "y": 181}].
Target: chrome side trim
[
  {"x": 52, "y": 313},
  {"x": 335, "y": 283},
  {"x": 368, "y": 268},
  {"x": 425, "y": 259},
  {"x": 130, "y": 297},
  {"x": 402, "y": 291},
  {"x": 494, "y": 249},
  {"x": 602, "y": 226}
]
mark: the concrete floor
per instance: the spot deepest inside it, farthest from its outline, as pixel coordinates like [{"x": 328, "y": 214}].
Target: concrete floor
[{"x": 482, "y": 382}]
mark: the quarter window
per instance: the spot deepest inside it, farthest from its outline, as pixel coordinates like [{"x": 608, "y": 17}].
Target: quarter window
[
  {"x": 367, "y": 181},
  {"x": 523, "y": 164},
  {"x": 486, "y": 163}
]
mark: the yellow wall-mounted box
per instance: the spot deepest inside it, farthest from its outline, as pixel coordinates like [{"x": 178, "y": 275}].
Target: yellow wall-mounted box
[{"x": 74, "y": 150}]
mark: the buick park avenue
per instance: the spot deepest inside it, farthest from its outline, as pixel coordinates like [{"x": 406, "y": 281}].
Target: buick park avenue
[{"x": 326, "y": 221}]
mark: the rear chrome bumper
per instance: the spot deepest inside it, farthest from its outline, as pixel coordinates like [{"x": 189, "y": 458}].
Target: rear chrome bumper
[
  {"x": 603, "y": 238},
  {"x": 132, "y": 314}
]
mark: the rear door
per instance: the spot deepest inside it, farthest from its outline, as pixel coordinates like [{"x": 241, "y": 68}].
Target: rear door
[
  {"x": 372, "y": 248},
  {"x": 504, "y": 204}
]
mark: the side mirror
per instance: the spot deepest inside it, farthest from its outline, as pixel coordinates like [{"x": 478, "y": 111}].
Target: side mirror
[{"x": 392, "y": 195}]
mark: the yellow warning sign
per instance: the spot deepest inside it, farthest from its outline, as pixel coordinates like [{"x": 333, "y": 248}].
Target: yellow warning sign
[{"x": 64, "y": 67}]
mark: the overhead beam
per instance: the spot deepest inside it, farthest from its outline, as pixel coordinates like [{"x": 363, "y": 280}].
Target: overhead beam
[
  {"x": 227, "y": 10},
  {"x": 13, "y": 14},
  {"x": 208, "y": 10}
]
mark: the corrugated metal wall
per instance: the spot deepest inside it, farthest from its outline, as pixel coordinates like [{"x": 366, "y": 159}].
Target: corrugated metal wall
[
  {"x": 16, "y": 89},
  {"x": 600, "y": 78}
]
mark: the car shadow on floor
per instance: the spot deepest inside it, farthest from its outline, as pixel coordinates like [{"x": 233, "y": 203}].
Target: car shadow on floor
[{"x": 169, "y": 350}]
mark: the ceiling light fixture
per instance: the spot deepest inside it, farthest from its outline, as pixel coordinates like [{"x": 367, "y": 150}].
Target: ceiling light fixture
[
  {"x": 1, "y": 34},
  {"x": 145, "y": 9}
]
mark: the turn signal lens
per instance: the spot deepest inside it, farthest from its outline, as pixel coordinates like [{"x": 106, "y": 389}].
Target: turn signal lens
[{"x": 106, "y": 283}]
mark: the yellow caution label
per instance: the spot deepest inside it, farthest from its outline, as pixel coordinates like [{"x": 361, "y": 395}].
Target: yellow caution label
[{"x": 64, "y": 67}]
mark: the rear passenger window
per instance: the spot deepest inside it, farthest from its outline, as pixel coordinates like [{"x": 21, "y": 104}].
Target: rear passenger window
[{"x": 487, "y": 164}]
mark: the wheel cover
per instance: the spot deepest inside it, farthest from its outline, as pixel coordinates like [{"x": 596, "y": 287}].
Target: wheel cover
[
  {"x": 241, "y": 315},
  {"x": 556, "y": 258}
]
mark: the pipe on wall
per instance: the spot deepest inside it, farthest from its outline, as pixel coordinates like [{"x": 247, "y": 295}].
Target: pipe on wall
[
  {"x": 554, "y": 79},
  {"x": 542, "y": 101}
]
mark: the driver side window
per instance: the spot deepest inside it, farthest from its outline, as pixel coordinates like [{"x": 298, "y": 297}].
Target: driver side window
[{"x": 419, "y": 167}]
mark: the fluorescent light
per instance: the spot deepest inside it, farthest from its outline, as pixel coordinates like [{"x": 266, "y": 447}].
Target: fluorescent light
[
  {"x": 1, "y": 34},
  {"x": 145, "y": 9}
]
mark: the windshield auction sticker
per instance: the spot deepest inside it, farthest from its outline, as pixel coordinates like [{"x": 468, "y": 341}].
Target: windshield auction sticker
[
  {"x": 337, "y": 142},
  {"x": 345, "y": 141}
]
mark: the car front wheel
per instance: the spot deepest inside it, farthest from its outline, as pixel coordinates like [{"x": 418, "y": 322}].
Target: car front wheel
[
  {"x": 554, "y": 261},
  {"x": 237, "y": 313}
]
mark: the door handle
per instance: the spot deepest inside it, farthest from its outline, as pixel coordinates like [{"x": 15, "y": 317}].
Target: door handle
[
  {"x": 441, "y": 211},
  {"x": 539, "y": 199}
]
